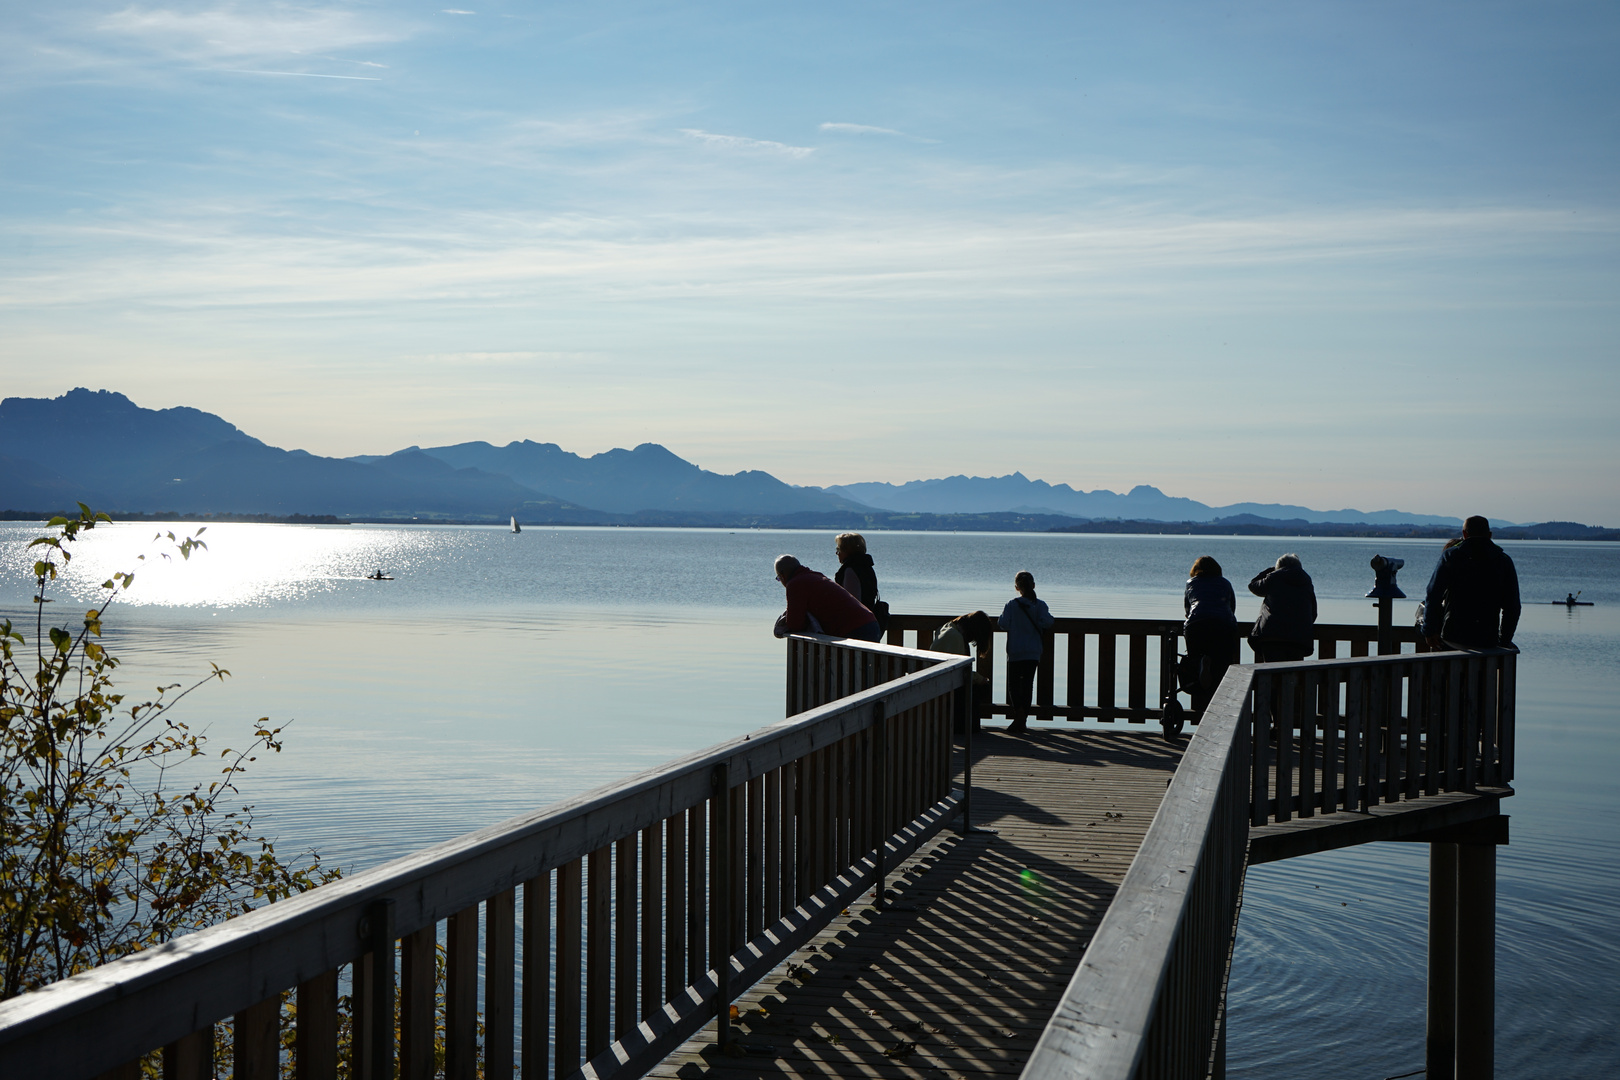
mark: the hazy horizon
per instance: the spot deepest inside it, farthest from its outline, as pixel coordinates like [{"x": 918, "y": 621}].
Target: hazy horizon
[{"x": 1328, "y": 254}]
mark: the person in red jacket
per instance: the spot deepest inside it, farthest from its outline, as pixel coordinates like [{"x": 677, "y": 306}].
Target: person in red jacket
[{"x": 818, "y": 605}]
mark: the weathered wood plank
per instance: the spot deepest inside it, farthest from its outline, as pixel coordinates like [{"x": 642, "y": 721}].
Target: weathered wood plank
[
  {"x": 461, "y": 995},
  {"x": 536, "y": 1022},
  {"x": 652, "y": 913},
  {"x": 256, "y": 1042},
  {"x": 315, "y": 1041},
  {"x": 1107, "y": 664},
  {"x": 570, "y": 926},
  {"x": 500, "y": 986},
  {"x": 625, "y": 945},
  {"x": 192, "y": 1057},
  {"x": 598, "y": 950},
  {"x": 418, "y": 1006},
  {"x": 1136, "y": 691}
]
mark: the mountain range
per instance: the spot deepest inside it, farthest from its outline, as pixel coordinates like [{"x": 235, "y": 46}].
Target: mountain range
[
  {"x": 100, "y": 448},
  {"x": 989, "y": 494}
]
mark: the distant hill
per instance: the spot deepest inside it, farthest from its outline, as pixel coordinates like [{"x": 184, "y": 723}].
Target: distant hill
[
  {"x": 107, "y": 451},
  {"x": 101, "y": 448},
  {"x": 1251, "y": 525},
  {"x": 1018, "y": 493},
  {"x": 648, "y": 478}
]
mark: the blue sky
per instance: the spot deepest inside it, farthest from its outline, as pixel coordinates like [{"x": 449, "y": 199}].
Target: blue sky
[{"x": 1329, "y": 254}]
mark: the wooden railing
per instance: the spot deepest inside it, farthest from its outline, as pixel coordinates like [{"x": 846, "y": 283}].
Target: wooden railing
[
  {"x": 1349, "y": 736},
  {"x": 1148, "y": 999},
  {"x": 1121, "y": 669},
  {"x": 611, "y": 927}
]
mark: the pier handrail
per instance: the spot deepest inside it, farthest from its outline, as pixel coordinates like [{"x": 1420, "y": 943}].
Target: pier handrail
[
  {"x": 669, "y": 892},
  {"x": 1091, "y": 651},
  {"x": 1148, "y": 998}
]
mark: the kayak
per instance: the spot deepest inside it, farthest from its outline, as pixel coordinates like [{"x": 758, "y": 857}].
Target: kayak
[{"x": 1571, "y": 603}]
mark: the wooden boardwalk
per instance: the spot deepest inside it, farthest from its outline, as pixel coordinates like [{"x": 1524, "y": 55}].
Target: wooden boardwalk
[{"x": 959, "y": 975}]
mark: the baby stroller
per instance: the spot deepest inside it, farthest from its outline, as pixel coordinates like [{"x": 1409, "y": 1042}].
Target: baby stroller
[{"x": 1191, "y": 674}]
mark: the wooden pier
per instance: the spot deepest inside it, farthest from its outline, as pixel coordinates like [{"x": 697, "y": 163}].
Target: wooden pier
[
  {"x": 865, "y": 887},
  {"x": 959, "y": 972}
]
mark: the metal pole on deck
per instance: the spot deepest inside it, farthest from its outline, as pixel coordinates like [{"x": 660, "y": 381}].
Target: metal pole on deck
[{"x": 1386, "y": 591}]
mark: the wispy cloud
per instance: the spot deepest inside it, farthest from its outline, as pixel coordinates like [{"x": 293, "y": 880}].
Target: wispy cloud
[
  {"x": 211, "y": 262},
  {"x": 235, "y": 31},
  {"x": 456, "y": 11},
  {"x": 303, "y": 74},
  {"x": 739, "y": 142},
  {"x": 843, "y": 128}
]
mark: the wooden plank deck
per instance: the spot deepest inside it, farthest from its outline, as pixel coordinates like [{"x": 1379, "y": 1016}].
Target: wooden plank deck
[{"x": 961, "y": 972}]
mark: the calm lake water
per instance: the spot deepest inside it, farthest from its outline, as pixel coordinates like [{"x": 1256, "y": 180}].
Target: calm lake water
[{"x": 500, "y": 672}]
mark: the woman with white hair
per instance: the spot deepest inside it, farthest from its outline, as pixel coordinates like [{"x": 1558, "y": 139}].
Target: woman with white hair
[{"x": 1287, "y": 612}]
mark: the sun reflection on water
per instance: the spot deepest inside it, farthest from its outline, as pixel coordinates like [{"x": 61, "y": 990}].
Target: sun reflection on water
[{"x": 243, "y": 565}]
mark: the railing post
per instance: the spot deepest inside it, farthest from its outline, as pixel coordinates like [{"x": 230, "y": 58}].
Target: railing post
[
  {"x": 720, "y": 900},
  {"x": 379, "y": 935},
  {"x": 970, "y": 721},
  {"x": 880, "y": 797},
  {"x": 1440, "y": 1055},
  {"x": 1387, "y": 645},
  {"x": 1476, "y": 961}
]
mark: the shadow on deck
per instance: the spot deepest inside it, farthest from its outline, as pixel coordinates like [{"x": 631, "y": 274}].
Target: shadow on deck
[{"x": 960, "y": 973}]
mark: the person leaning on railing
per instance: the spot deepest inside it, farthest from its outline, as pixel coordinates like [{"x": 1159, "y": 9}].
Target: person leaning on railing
[
  {"x": 1211, "y": 627},
  {"x": 1473, "y": 597},
  {"x": 1287, "y": 612},
  {"x": 818, "y": 605},
  {"x": 957, "y": 636},
  {"x": 858, "y": 575},
  {"x": 1024, "y": 618}
]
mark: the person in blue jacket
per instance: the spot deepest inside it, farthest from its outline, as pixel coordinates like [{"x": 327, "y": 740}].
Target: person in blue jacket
[
  {"x": 1024, "y": 618},
  {"x": 1473, "y": 596},
  {"x": 1211, "y": 627}
]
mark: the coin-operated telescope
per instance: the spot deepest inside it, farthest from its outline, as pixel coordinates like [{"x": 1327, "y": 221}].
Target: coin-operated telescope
[
  {"x": 1386, "y": 592},
  {"x": 1384, "y": 570}
]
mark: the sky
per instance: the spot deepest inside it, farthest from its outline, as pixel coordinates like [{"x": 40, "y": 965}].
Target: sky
[{"x": 1332, "y": 254}]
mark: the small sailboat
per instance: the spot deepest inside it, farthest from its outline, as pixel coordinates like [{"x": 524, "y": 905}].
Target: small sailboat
[{"x": 515, "y": 526}]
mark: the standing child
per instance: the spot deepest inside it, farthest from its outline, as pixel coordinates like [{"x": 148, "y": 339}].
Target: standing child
[{"x": 1024, "y": 618}]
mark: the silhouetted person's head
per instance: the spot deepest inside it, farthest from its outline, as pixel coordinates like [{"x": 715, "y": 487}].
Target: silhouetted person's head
[
  {"x": 975, "y": 627},
  {"x": 1024, "y": 581},
  {"x": 786, "y": 567},
  {"x": 1286, "y": 560},
  {"x": 1205, "y": 566},
  {"x": 1476, "y": 526},
  {"x": 849, "y": 545}
]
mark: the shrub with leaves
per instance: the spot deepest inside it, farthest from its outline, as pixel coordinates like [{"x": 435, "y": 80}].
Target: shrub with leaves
[{"x": 110, "y": 841}]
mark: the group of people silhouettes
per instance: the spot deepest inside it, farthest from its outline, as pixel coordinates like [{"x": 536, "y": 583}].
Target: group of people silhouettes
[{"x": 1472, "y": 601}]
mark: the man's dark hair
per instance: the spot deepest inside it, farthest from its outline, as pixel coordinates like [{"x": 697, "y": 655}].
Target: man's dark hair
[{"x": 1476, "y": 526}]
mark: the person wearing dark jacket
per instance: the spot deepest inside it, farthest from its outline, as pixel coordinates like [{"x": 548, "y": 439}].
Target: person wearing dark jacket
[
  {"x": 1473, "y": 597},
  {"x": 817, "y": 605},
  {"x": 1211, "y": 628},
  {"x": 1287, "y": 612},
  {"x": 855, "y": 570},
  {"x": 1025, "y": 618}
]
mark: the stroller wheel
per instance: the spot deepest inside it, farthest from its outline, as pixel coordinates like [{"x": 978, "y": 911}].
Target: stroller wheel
[{"x": 1173, "y": 720}]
